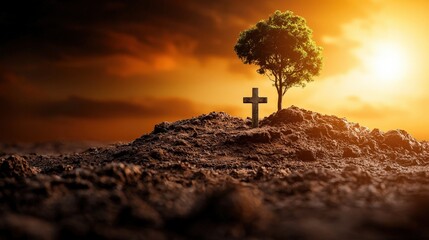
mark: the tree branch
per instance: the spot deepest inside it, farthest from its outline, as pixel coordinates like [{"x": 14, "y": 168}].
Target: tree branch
[{"x": 269, "y": 77}]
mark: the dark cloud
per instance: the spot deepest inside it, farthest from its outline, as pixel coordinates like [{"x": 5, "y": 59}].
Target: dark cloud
[
  {"x": 75, "y": 45},
  {"x": 59, "y": 29},
  {"x": 77, "y": 118},
  {"x": 21, "y": 98},
  {"x": 79, "y": 107},
  {"x": 14, "y": 87}
]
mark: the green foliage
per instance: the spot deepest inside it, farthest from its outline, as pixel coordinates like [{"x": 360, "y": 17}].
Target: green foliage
[{"x": 283, "y": 48}]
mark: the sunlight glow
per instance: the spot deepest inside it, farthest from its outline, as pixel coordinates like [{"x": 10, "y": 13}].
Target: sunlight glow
[{"x": 388, "y": 62}]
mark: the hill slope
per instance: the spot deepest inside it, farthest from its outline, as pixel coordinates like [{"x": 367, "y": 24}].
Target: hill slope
[{"x": 301, "y": 175}]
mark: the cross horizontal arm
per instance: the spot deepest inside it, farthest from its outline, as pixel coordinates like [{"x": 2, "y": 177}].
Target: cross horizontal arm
[
  {"x": 252, "y": 100},
  {"x": 247, "y": 100}
]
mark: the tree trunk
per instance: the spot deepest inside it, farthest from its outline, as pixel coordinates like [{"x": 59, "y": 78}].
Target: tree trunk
[{"x": 279, "y": 101}]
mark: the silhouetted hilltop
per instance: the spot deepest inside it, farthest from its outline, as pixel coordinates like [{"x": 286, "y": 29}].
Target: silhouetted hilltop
[
  {"x": 289, "y": 133},
  {"x": 300, "y": 175}
]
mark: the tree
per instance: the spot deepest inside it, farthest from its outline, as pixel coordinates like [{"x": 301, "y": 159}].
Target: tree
[{"x": 283, "y": 48}]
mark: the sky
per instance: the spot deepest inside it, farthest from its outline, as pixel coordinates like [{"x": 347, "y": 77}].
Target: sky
[{"x": 111, "y": 70}]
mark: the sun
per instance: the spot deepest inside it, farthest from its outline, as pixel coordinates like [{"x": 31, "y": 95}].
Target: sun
[{"x": 388, "y": 62}]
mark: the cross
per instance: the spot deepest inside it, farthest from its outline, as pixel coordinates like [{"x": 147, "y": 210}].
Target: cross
[{"x": 255, "y": 100}]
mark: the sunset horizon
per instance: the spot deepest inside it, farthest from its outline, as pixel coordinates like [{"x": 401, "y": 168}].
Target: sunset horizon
[
  {"x": 110, "y": 71},
  {"x": 200, "y": 119}
]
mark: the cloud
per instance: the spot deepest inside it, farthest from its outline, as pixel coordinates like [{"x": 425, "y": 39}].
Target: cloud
[
  {"x": 80, "y": 107},
  {"x": 58, "y": 30},
  {"x": 15, "y": 87},
  {"x": 359, "y": 109},
  {"x": 77, "y": 118},
  {"x": 136, "y": 38}
]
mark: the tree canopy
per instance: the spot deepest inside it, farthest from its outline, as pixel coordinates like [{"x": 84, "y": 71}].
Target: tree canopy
[{"x": 283, "y": 48}]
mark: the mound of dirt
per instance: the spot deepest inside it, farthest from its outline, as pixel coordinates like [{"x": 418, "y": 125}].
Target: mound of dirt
[
  {"x": 15, "y": 167},
  {"x": 300, "y": 175}
]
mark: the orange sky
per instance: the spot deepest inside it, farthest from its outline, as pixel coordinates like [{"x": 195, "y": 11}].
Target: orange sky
[{"x": 108, "y": 70}]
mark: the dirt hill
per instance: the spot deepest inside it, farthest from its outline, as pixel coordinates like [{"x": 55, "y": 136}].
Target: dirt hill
[{"x": 300, "y": 175}]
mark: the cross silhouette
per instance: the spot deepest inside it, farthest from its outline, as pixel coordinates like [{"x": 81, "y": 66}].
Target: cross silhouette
[{"x": 255, "y": 100}]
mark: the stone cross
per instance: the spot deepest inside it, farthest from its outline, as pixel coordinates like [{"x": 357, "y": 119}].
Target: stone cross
[{"x": 255, "y": 100}]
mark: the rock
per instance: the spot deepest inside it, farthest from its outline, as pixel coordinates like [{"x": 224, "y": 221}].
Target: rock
[
  {"x": 161, "y": 127},
  {"x": 351, "y": 152},
  {"x": 377, "y": 134},
  {"x": 400, "y": 138},
  {"x": 317, "y": 132},
  {"x": 293, "y": 137},
  {"x": 338, "y": 124},
  {"x": 213, "y": 115},
  {"x": 124, "y": 173},
  {"x": 275, "y": 134},
  {"x": 15, "y": 166},
  {"x": 291, "y": 115},
  {"x": 157, "y": 153},
  {"x": 306, "y": 155},
  {"x": 284, "y": 116},
  {"x": 372, "y": 144}
]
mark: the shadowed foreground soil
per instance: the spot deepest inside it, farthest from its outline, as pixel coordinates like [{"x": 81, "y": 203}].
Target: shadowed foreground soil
[{"x": 302, "y": 175}]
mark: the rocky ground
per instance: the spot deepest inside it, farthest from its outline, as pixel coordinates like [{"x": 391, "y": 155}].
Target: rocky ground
[{"x": 302, "y": 175}]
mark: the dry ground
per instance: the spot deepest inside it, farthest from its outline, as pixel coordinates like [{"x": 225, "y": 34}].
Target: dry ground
[{"x": 302, "y": 175}]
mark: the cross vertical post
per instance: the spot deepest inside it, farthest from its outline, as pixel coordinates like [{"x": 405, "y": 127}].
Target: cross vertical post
[{"x": 255, "y": 100}]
